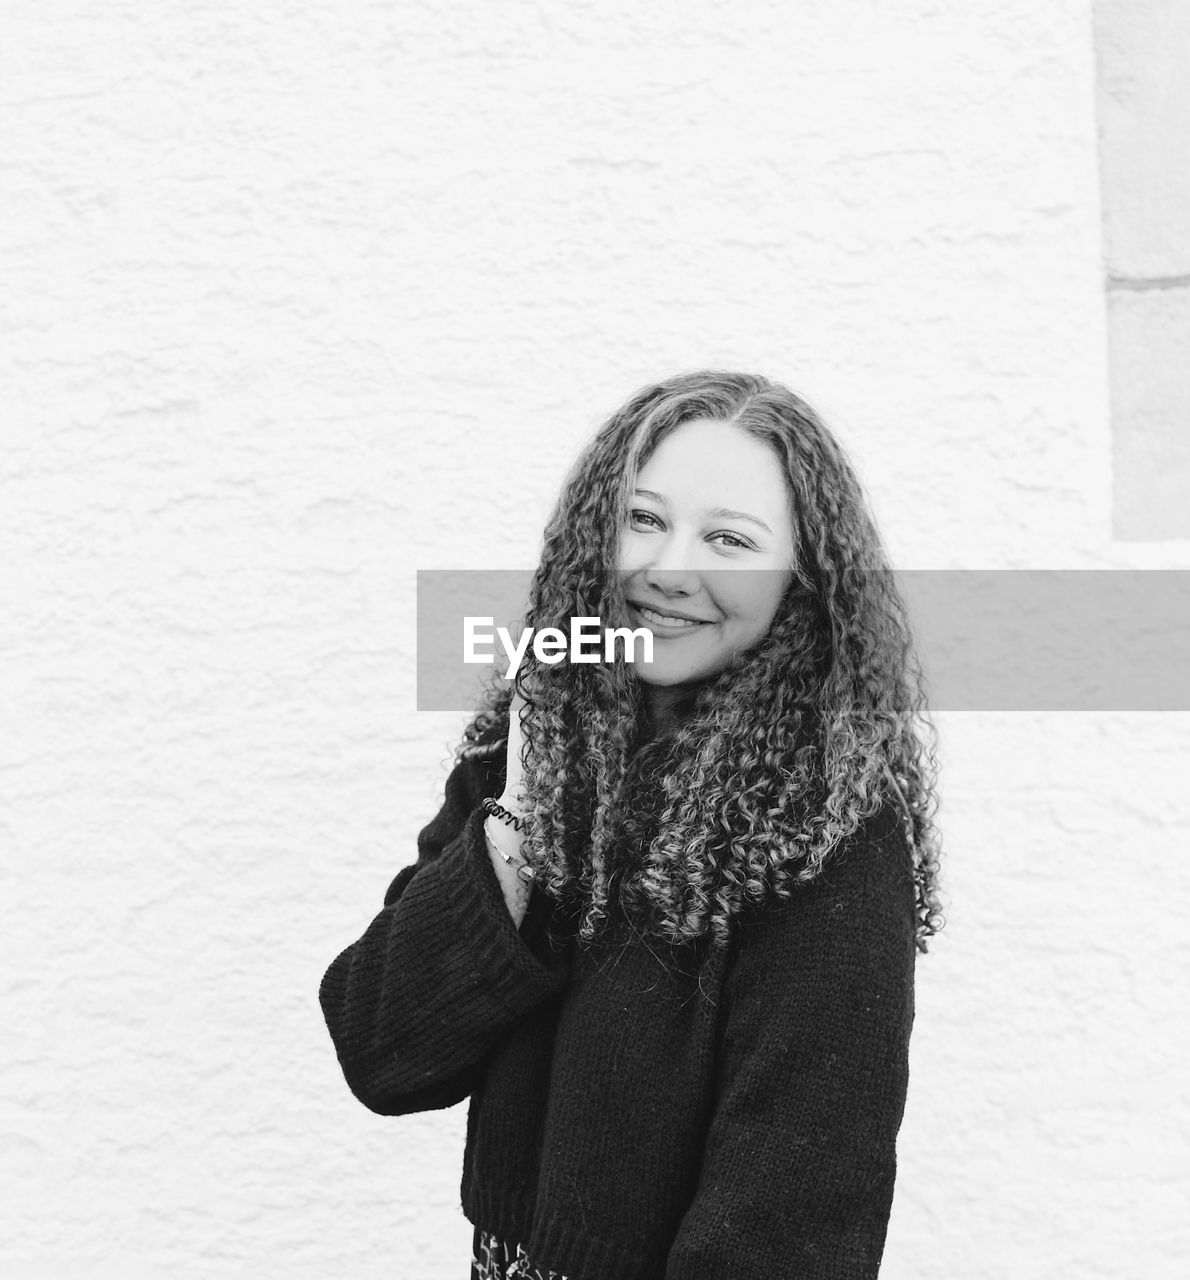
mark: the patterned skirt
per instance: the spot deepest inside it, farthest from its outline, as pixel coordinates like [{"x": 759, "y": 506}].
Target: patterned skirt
[{"x": 493, "y": 1259}]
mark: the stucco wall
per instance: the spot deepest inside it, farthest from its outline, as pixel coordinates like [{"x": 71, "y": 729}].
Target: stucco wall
[
  {"x": 300, "y": 299},
  {"x": 1143, "y": 49}
]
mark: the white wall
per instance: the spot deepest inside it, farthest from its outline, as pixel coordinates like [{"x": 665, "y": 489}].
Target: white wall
[
  {"x": 300, "y": 299},
  {"x": 1143, "y": 49}
]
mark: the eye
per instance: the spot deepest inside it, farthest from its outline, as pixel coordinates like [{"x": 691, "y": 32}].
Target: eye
[
  {"x": 736, "y": 541},
  {"x": 638, "y": 514}
]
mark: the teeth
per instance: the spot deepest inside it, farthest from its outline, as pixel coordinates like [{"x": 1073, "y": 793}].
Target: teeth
[{"x": 664, "y": 619}]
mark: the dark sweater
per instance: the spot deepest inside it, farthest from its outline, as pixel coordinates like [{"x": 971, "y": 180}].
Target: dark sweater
[{"x": 623, "y": 1124}]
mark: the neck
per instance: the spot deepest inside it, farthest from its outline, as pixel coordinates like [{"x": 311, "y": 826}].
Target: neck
[{"x": 665, "y": 703}]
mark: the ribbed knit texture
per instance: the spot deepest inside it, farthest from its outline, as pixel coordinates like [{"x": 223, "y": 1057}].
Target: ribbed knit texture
[{"x": 623, "y": 1123}]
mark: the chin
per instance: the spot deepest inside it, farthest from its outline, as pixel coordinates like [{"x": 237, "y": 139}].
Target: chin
[{"x": 664, "y": 679}]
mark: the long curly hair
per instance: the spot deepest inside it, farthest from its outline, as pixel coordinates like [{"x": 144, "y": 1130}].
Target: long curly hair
[{"x": 774, "y": 761}]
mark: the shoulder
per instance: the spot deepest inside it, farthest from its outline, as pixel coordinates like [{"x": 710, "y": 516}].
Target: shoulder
[
  {"x": 858, "y": 912},
  {"x": 874, "y": 863}
]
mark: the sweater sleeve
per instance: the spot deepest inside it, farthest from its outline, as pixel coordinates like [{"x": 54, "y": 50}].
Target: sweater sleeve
[
  {"x": 811, "y": 1077},
  {"x": 417, "y": 1003}
]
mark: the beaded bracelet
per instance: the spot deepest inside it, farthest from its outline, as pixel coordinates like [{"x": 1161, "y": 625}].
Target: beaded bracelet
[
  {"x": 497, "y": 810},
  {"x": 523, "y": 869}
]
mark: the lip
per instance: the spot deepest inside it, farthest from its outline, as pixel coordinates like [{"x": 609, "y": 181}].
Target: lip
[
  {"x": 665, "y": 611},
  {"x": 667, "y": 629}
]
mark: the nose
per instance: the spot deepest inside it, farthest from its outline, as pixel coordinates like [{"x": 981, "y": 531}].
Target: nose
[
  {"x": 671, "y": 582},
  {"x": 668, "y": 570}
]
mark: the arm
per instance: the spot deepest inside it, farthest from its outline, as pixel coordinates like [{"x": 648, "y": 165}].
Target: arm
[
  {"x": 812, "y": 1074},
  {"x": 416, "y": 1004}
]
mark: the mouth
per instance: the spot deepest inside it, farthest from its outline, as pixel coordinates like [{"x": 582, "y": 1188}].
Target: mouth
[{"x": 671, "y": 623}]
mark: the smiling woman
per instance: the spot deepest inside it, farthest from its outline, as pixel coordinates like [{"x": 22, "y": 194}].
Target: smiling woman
[
  {"x": 663, "y": 931},
  {"x": 708, "y": 553}
]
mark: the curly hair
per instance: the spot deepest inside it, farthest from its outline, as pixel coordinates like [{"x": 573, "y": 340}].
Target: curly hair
[{"x": 777, "y": 759}]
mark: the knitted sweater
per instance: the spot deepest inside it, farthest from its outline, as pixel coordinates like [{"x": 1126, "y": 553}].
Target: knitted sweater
[{"x": 624, "y": 1124}]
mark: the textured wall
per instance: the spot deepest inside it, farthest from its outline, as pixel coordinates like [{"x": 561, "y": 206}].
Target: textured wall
[
  {"x": 299, "y": 299},
  {"x": 1143, "y": 49}
]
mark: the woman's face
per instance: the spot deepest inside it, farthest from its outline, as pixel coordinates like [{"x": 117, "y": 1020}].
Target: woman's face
[{"x": 708, "y": 549}]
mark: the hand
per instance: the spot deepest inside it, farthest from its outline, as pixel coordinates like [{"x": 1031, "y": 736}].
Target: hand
[
  {"x": 502, "y": 836},
  {"x": 514, "y": 770}
]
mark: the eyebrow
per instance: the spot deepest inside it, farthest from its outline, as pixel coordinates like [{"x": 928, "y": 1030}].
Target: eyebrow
[{"x": 721, "y": 513}]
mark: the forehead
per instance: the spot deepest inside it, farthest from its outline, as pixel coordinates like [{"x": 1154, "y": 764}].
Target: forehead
[{"x": 703, "y": 463}]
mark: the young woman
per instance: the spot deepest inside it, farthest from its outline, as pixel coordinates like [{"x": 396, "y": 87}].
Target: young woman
[{"x": 663, "y": 930}]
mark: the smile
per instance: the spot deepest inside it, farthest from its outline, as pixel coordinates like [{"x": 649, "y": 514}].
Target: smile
[{"x": 666, "y": 620}]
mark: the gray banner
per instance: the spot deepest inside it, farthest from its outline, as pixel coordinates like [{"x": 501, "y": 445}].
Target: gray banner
[{"x": 988, "y": 640}]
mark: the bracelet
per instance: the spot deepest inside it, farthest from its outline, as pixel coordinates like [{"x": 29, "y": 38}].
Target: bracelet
[
  {"x": 497, "y": 810},
  {"x": 522, "y": 867}
]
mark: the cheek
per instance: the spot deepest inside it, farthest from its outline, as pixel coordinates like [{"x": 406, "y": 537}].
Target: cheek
[
  {"x": 750, "y": 610},
  {"x": 630, "y": 556}
]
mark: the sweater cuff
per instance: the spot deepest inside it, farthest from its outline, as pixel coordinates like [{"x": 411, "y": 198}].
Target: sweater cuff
[{"x": 473, "y": 912}]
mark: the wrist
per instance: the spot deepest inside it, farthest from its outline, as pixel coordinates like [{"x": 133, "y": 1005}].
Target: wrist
[
  {"x": 504, "y": 844},
  {"x": 507, "y": 811}
]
